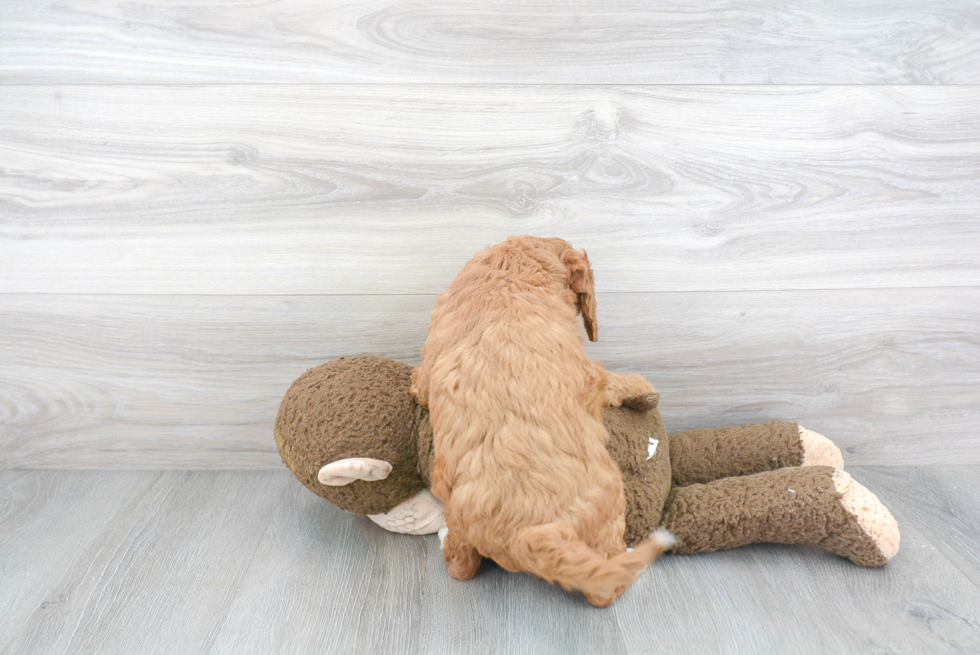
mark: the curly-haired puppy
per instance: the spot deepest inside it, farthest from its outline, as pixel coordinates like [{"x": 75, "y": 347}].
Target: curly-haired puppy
[{"x": 515, "y": 404}]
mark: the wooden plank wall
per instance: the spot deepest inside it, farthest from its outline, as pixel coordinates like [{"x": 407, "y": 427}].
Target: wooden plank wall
[{"x": 781, "y": 202}]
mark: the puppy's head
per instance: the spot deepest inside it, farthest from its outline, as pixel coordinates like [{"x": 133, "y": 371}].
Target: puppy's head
[{"x": 572, "y": 269}]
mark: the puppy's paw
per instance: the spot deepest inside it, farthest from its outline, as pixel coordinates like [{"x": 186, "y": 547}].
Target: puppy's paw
[
  {"x": 462, "y": 558},
  {"x": 464, "y": 568},
  {"x": 643, "y": 403},
  {"x": 463, "y": 561},
  {"x": 602, "y": 600},
  {"x": 632, "y": 390}
]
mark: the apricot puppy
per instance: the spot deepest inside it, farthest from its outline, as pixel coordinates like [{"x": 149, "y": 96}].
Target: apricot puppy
[{"x": 515, "y": 405}]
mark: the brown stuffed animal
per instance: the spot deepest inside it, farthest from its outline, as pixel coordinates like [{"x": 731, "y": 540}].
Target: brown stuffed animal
[{"x": 352, "y": 433}]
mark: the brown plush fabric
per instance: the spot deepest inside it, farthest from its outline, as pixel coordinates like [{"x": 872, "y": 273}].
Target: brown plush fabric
[
  {"x": 361, "y": 407},
  {"x": 426, "y": 449},
  {"x": 646, "y": 481},
  {"x": 739, "y": 489},
  {"x": 700, "y": 456},
  {"x": 352, "y": 407},
  {"x": 797, "y": 505}
]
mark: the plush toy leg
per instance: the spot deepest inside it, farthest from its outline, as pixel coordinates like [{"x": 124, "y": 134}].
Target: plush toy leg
[
  {"x": 699, "y": 456},
  {"x": 798, "y": 505}
]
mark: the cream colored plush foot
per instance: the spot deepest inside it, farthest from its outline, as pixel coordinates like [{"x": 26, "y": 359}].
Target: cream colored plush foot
[
  {"x": 420, "y": 514},
  {"x": 818, "y": 450},
  {"x": 871, "y": 516}
]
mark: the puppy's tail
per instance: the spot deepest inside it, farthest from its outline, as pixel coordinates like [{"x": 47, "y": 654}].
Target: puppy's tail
[{"x": 554, "y": 552}]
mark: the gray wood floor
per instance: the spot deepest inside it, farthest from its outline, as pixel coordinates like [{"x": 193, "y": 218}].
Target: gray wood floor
[{"x": 251, "y": 562}]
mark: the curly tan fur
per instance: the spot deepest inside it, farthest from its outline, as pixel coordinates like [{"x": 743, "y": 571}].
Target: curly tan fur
[{"x": 515, "y": 405}]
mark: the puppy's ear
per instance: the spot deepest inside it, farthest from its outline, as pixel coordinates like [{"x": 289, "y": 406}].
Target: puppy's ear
[{"x": 582, "y": 282}]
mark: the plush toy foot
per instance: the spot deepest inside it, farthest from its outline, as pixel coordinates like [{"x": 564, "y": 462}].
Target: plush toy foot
[
  {"x": 818, "y": 450},
  {"x": 420, "y": 514},
  {"x": 869, "y": 536}
]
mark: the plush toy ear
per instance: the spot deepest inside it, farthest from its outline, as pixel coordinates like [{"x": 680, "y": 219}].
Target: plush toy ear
[
  {"x": 582, "y": 281},
  {"x": 345, "y": 471}
]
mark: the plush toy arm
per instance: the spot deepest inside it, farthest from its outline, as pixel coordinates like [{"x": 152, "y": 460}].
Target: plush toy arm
[
  {"x": 799, "y": 505},
  {"x": 700, "y": 456},
  {"x": 420, "y": 514}
]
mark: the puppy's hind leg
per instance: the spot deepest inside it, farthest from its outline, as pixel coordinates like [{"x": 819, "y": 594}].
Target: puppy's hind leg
[
  {"x": 463, "y": 559},
  {"x": 611, "y": 544}
]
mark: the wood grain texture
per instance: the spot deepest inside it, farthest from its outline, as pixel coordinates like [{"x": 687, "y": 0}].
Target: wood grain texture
[
  {"x": 162, "y": 573},
  {"x": 46, "y": 521},
  {"x": 943, "y": 501},
  {"x": 892, "y": 376},
  {"x": 390, "y": 189},
  {"x": 236, "y": 562},
  {"x": 756, "y": 42},
  {"x": 364, "y": 590},
  {"x": 788, "y": 599}
]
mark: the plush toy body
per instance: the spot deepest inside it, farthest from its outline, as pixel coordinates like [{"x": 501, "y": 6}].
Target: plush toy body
[{"x": 351, "y": 432}]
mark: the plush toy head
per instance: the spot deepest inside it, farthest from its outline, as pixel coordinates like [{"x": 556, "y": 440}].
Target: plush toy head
[
  {"x": 360, "y": 408},
  {"x": 355, "y": 413}
]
